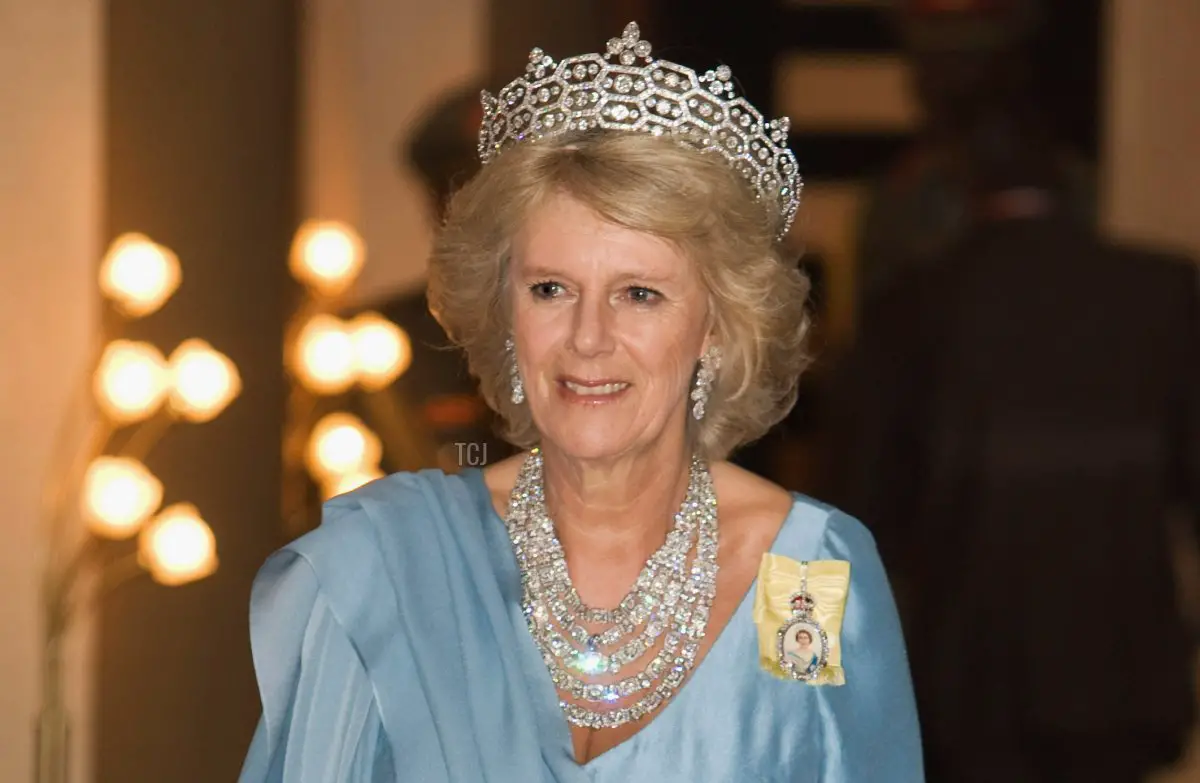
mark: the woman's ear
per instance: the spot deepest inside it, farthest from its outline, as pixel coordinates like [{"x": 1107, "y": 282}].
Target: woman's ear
[{"x": 710, "y": 327}]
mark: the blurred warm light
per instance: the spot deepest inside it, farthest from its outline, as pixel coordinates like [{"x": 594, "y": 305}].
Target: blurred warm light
[
  {"x": 326, "y": 256},
  {"x": 382, "y": 351},
  {"x": 138, "y": 275},
  {"x": 340, "y": 445},
  {"x": 203, "y": 381},
  {"x": 178, "y": 546},
  {"x": 340, "y": 485},
  {"x": 324, "y": 355},
  {"x": 119, "y": 495},
  {"x": 130, "y": 381}
]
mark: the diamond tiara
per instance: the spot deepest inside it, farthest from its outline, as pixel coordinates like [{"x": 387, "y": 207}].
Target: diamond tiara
[{"x": 661, "y": 98}]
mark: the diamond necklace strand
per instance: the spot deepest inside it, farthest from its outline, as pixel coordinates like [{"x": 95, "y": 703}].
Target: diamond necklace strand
[{"x": 669, "y": 596}]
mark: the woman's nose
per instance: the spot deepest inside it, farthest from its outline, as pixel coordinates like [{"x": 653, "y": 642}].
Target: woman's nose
[{"x": 591, "y": 332}]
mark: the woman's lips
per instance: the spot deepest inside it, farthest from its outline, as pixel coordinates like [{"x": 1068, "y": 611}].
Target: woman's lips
[{"x": 592, "y": 391}]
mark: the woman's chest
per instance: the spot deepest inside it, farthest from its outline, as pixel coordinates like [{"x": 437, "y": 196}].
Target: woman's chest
[
  {"x": 732, "y": 722},
  {"x": 734, "y": 582}
]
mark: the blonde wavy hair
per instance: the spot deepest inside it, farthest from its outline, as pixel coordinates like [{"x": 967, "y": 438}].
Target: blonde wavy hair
[{"x": 757, "y": 300}]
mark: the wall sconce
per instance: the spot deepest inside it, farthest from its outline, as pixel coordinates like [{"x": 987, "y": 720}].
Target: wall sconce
[
  {"x": 327, "y": 450},
  {"x": 138, "y": 394}
]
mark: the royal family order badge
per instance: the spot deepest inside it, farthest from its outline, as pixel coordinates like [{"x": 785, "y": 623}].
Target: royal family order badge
[
  {"x": 798, "y": 610},
  {"x": 801, "y": 642}
]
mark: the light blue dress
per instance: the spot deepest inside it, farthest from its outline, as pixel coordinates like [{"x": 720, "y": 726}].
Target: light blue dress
[{"x": 390, "y": 646}]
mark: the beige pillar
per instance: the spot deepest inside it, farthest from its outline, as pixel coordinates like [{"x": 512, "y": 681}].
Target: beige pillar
[
  {"x": 1152, "y": 148},
  {"x": 50, "y": 151}
]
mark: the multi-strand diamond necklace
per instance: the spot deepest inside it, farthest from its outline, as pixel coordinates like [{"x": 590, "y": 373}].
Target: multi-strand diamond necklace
[{"x": 585, "y": 648}]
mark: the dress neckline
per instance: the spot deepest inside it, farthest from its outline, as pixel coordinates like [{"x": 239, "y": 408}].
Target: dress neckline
[{"x": 719, "y": 650}]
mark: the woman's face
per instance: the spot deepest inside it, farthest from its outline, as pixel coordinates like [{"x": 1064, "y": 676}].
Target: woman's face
[{"x": 608, "y": 325}]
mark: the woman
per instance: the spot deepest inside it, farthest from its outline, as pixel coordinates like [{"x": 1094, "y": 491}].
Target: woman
[
  {"x": 801, "y": 651},
  {"x": 596, "y": 608}
]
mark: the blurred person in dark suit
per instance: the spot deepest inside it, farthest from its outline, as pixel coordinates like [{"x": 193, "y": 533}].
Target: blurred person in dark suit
[
  {"x": 434, "y": 407},
  {"x": 962, "y": 53},
  {"x": 1022, "y": 417}
]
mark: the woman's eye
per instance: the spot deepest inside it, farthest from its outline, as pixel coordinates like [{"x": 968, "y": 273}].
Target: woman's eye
[
  {"x": 642, "y": 295},
  {"x": 546, "y": 289}
]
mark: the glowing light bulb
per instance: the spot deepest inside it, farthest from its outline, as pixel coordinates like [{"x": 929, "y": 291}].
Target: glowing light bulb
[
  {"x": 130, "y": 381},
  {"x": 382, "y": 350},
  {"x": 138, "y": 275},
  {"x": 178, "y": 546},
  {"x": 326, "y": 256},
  {"x": 324, "y": 358},
  {"x": 203, "y": 381},
  {"x": 341, "y": 445},
  {"x": 119, "y": 495}
]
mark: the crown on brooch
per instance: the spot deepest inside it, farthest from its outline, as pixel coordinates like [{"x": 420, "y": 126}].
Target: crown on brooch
[{"x": 661, "y": 98}]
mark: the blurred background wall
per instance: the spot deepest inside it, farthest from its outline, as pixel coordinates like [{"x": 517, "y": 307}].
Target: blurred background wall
[
  {"x": 50, "y": 213},
  {"x": 370, "y": 69},
  {"x": 1152, "y": 174},
  {"x": 1151, "y": 191}
]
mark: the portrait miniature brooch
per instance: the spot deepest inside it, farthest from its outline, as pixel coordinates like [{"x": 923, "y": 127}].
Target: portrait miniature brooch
[{"x": 798, "y": 608}]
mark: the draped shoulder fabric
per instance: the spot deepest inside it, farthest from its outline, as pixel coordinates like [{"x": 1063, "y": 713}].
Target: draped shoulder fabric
[{"x": 390, "y": 645}]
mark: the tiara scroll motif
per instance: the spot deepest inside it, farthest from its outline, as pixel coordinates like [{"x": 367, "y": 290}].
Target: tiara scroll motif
[{"x": 610, "y": 92}]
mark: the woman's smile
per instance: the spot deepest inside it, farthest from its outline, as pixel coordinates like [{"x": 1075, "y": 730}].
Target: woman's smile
[{"x": 598, "y": 392}]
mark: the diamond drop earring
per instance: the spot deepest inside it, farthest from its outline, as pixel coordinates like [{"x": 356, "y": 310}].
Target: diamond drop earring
[
  {"x": 518, "y": 389},
  {"x": 710, "y": 362}
]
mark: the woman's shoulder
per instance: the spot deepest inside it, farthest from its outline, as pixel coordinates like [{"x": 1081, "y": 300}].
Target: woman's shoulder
[
  {"x": 408, "y": 511},
  {"x": 382, "y": 543},
  {"x": 498, "y": 479},
  {"x": 799, "y": 525}
]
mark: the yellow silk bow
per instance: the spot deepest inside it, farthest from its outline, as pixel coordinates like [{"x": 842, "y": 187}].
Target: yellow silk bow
[{"x": 779, "y": 578}]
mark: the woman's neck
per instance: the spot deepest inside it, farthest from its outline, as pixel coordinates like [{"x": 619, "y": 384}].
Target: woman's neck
[{"x": 617, "y": 507}]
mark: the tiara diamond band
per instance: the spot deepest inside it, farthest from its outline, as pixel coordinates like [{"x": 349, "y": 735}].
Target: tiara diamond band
[{"x": 662, "y": 98}]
